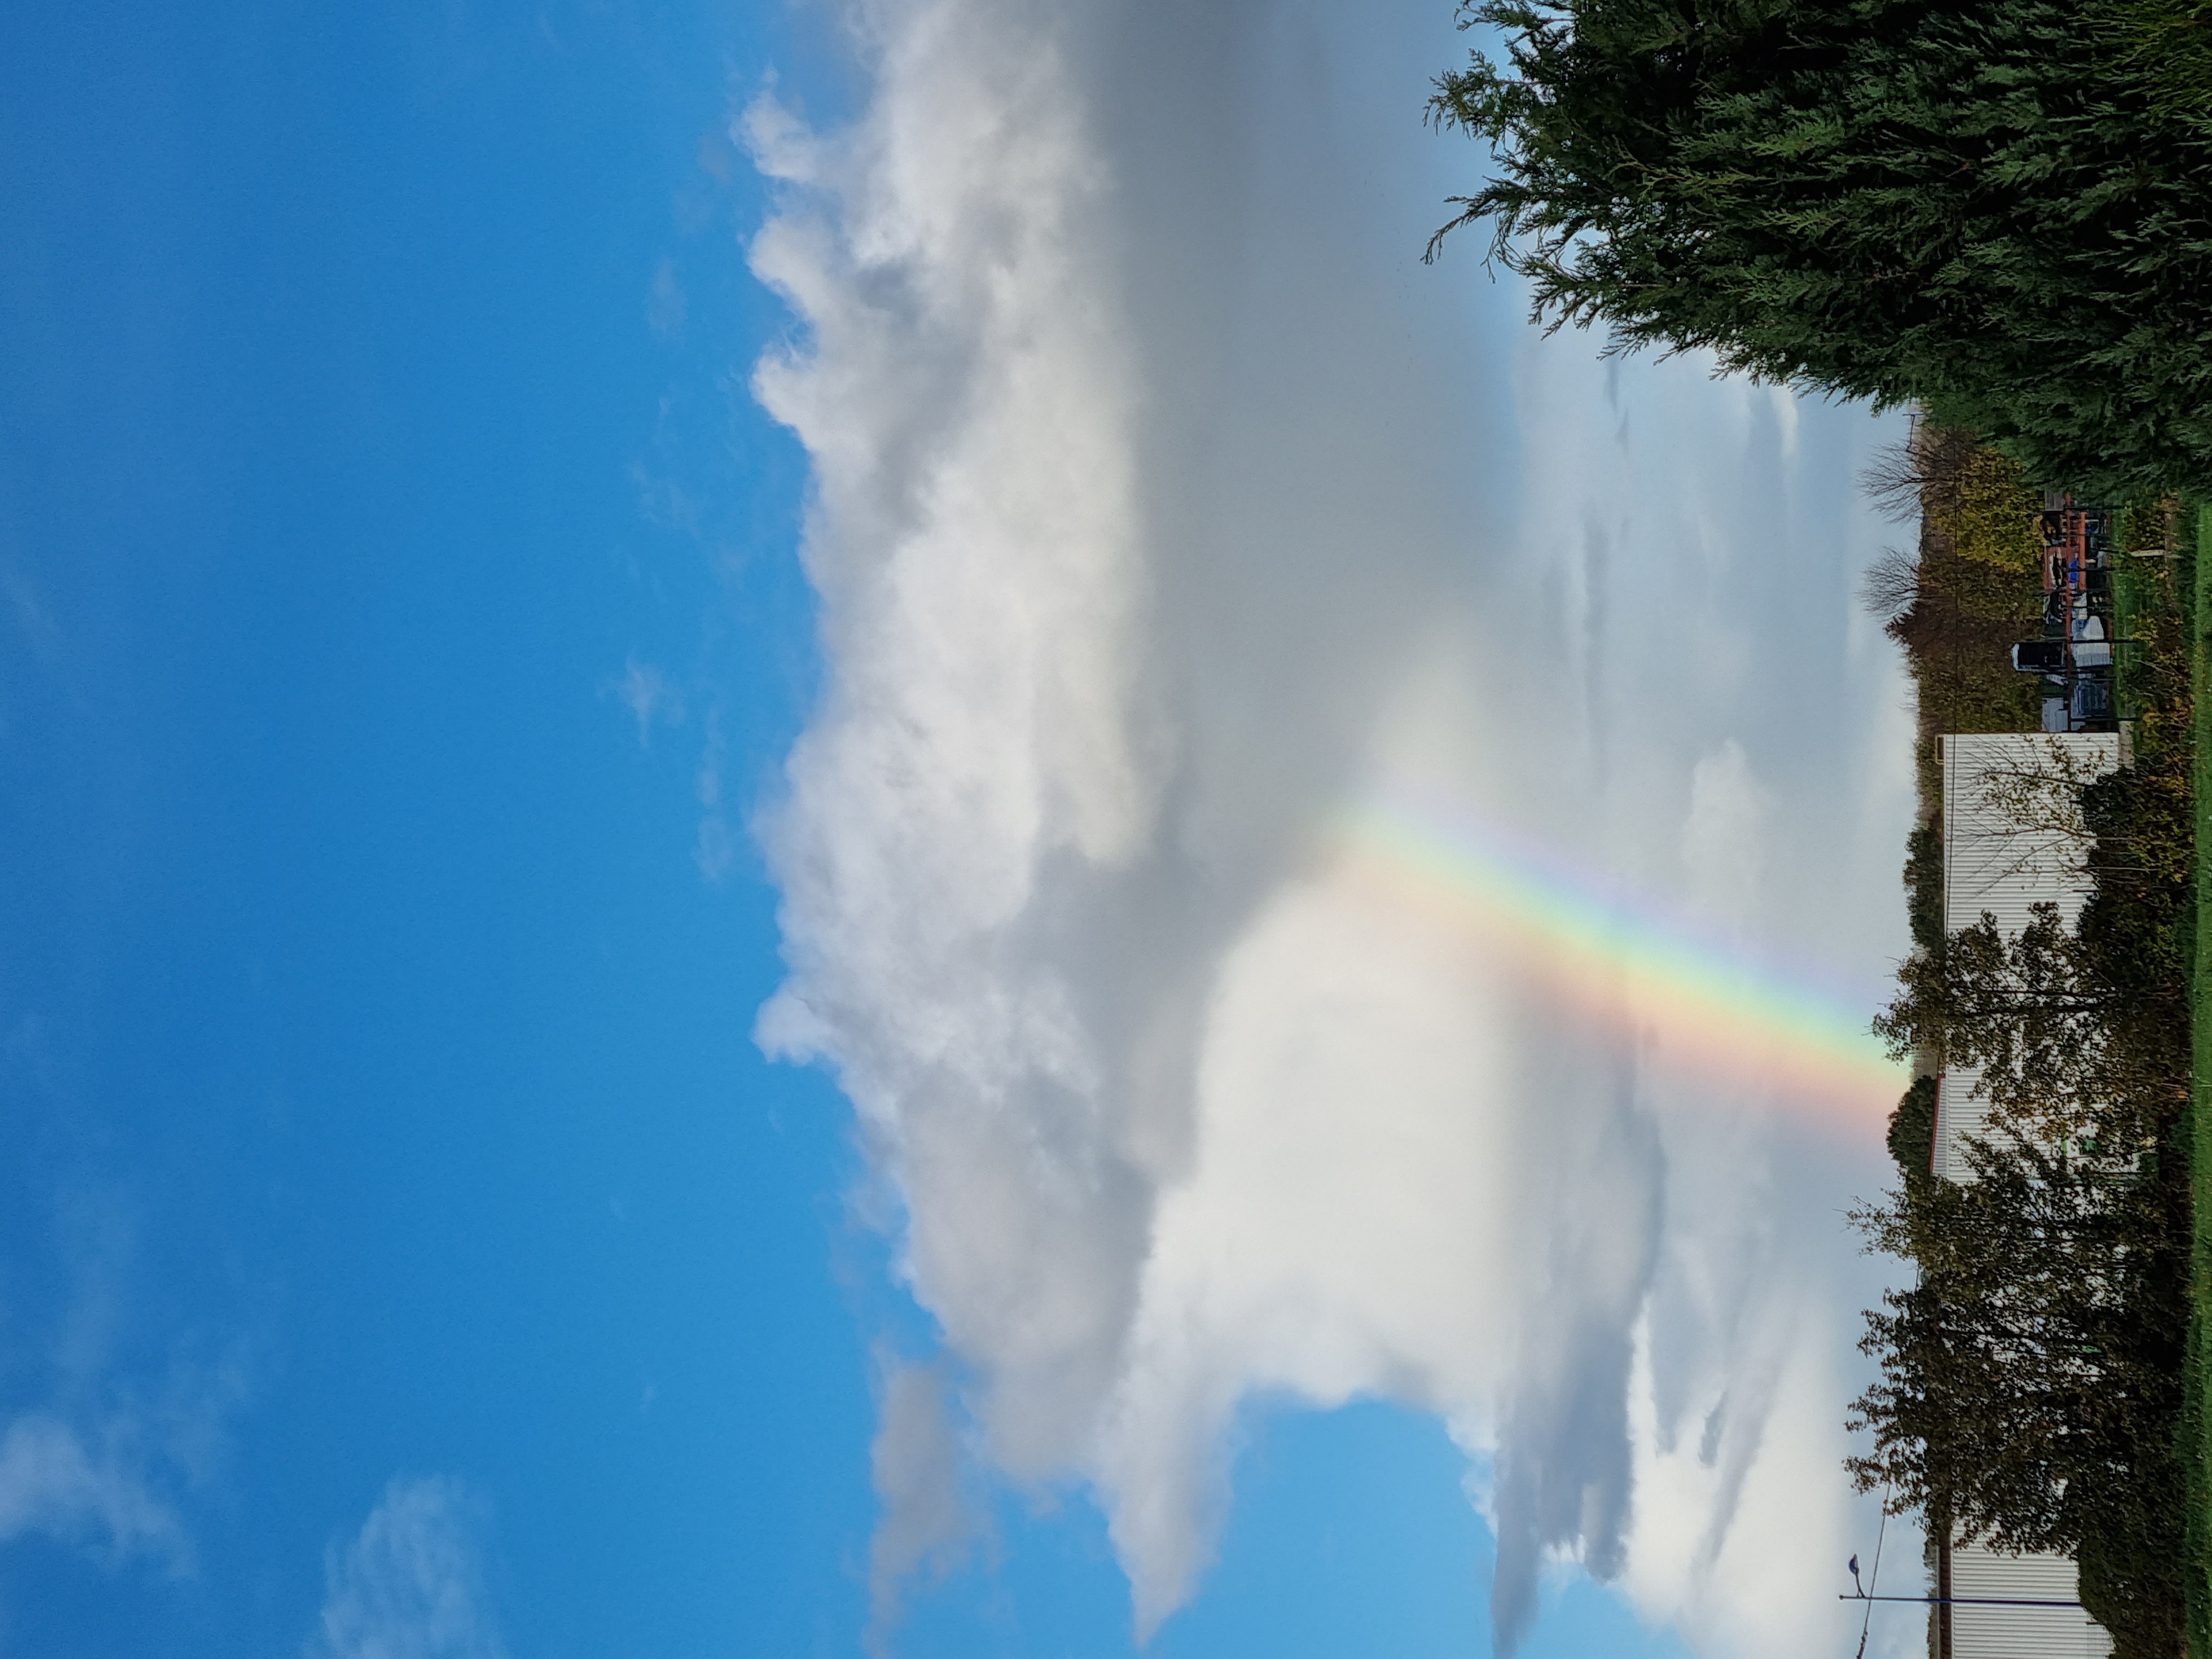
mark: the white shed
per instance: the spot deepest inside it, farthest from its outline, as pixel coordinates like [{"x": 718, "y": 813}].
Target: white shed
[{"x": 2011, "y": 840}]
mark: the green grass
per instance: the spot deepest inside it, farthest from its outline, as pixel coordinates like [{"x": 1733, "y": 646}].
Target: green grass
[{"x": 2196, "y": 595}]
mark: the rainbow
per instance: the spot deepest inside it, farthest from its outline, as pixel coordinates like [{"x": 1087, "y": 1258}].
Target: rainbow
[{"x": 1621, "y": 961}]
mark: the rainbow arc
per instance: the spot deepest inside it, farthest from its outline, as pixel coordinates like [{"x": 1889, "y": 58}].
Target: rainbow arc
[{"x": 1624, "y": 964}]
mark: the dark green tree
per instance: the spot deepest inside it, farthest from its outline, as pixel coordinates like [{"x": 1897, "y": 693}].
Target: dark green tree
[
  {"x": 2028, "y": 1011},
  {"x": 1912, "y": 1129},
  {"x": 1923, "y": 886},
  {"x": 2031, "y": 1377},
  {"x": 1985, "y": 208}
]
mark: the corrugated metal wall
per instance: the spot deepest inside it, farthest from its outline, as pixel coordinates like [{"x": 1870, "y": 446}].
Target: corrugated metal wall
[
  {"x": 1996, "y": 863},
  {"x": 1993, "y": 861},
  {"x": 2020, "y": 1633}
]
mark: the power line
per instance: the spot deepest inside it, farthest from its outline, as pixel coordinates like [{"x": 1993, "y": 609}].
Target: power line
[{"x": 1874, "y": 1577}]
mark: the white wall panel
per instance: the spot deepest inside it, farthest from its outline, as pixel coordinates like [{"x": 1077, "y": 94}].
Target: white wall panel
[
  {"x": 2020, "y": 1633},
  {"x": 1995, "y": 864}
]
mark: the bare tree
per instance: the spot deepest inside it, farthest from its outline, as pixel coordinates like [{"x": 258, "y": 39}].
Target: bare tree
[
  {"x": 1929, "y": 459},
  {"x": 1890, "y": 585}
]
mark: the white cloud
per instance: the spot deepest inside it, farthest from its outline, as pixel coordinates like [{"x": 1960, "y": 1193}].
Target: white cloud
[
  {"x": 1724, "y": 838},
  {"x": 92, "y": 1491},
  {"x": 646, "y": 692},
  {"x": 1165, "y": 507},
  {"x": 667, "y": 307},
  {"x": 411, "y": 1584},
  {"x": 105, "y": 1460},
  {"x": 716, "y": 848}
]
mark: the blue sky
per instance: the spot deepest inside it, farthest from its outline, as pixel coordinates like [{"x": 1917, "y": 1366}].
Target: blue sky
[{"x": 431, "y": 652}]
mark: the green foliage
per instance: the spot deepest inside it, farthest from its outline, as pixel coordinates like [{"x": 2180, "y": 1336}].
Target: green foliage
[
  {"x": 1977, "y": 588},
  {"x": 2080, "y": 1025},
  {"x": 1988, "y": 513},
  {"x": 2043, "y": 1383},
  {"x": 2029, "y": 1010},
  {"x": 2030, "y": 1380},
  {"x": 1923, "y": 886},
  {"x": 2193, "y": 594},
  {"x": 1912, "y": 1128},
  {"x": 1960, "y": 661},
  {"x": 2170, "y": 45},
  {"x": 2143, "y": 524},
  {"x": 1987, "y": 209},
  {"x": 1928, "y": 766},
  {"x": 2130, "y": 1562}
]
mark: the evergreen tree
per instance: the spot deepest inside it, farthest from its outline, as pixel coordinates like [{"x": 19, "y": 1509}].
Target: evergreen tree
[{"x": 1985, "y": 208}]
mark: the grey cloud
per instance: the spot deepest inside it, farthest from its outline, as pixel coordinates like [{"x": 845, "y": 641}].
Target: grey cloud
[
  {"x": 1164, "y": 506},
  {"x": 927, "y": 1526},
  {"x": 1565, "y": 1472}
]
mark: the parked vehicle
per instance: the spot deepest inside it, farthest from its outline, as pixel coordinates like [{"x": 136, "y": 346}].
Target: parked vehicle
[{"x": 2074, "y": 654}]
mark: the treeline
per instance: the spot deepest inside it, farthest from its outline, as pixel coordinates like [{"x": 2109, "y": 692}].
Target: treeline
[
  {"x": 1971, "y": 586},
  {"x": 2032, "y": 1379}
]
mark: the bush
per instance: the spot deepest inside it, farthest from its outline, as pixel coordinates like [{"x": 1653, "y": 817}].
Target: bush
[
  {"x": 1923, "y": 886},
  {"x": 1912, "y": 1128}
]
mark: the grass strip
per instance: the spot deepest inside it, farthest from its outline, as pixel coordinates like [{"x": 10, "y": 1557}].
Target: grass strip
[{"x": 2195, "y": 593}]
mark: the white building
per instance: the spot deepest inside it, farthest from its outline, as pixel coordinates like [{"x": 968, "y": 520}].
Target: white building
[{"x": 2011, "y": 840}]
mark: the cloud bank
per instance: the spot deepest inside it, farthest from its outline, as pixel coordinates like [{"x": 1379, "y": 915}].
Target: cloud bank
[{"x": 1164, "y": 508}]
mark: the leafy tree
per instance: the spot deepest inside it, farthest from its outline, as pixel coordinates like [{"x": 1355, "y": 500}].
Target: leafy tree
[
  {"x": 2170, "y": 42},
  {"x": 1912, "y": 1129},
  {"x": 1985, "y": 208},
  {"x": 2069, "y": 1027},
  {"x": 2019, "y": 1375},
  {"x": 2024, "y": 1009},
  {"x": 1990, "y": 513},
  {"x": 2030, "y": 1380},
  {"x": 1923, "y": 886}
]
